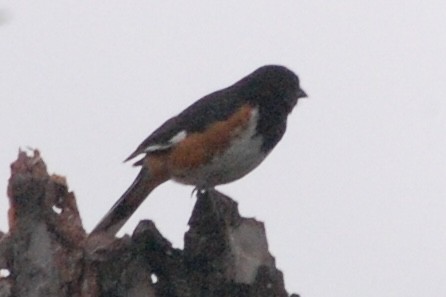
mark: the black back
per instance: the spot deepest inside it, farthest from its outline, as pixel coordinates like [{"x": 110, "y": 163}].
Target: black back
[{"x": 273, "y": 89}]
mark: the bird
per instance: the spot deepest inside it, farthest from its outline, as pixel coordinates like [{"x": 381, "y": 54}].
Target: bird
[{"x": 218, "y": 139}]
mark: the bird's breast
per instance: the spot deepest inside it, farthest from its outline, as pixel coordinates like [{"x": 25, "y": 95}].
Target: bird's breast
[{"x": 224, "y": 152}]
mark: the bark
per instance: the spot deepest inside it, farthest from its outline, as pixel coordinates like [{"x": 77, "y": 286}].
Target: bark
[{"x": 48, "y": 253}]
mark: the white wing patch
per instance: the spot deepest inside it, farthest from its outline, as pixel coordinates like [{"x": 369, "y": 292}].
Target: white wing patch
[{"x": 180, "y": 136}]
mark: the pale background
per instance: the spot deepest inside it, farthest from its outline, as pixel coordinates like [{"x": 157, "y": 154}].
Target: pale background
[{"x": 353, "y": 198}]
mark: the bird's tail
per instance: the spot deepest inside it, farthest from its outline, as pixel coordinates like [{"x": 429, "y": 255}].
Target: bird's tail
[{"x": 121, "y": 211}]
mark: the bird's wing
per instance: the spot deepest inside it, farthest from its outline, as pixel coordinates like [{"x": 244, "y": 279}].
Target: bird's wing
[{"x": 214, "y": 107}]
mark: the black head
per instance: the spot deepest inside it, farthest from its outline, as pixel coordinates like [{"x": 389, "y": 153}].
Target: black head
[{"x": 273, "y": 85}]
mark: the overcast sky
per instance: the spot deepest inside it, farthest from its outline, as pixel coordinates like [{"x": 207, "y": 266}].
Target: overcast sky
[{"x": 353, "y": 197}]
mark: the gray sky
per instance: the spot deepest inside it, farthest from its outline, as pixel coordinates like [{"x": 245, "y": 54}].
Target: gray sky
[{"x": 353, "y": 198}]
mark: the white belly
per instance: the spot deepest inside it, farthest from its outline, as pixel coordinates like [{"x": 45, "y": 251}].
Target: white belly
[{"x": 242, "y": 156}]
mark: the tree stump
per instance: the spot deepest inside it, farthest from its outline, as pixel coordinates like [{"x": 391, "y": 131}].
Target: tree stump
[{"x": 48, "y": 253}]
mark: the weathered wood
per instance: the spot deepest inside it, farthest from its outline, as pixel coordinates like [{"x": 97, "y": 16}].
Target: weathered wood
[{"x": 48, "y": 253}]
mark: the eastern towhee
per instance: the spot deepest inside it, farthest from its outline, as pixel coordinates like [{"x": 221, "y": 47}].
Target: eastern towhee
[{"x": 217, "y": 140}]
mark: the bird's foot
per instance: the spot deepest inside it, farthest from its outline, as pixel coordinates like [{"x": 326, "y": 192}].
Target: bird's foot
[{"x": 200, "y": 191}]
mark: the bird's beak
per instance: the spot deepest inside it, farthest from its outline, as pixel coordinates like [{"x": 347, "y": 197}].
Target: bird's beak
[{"x": 301, "y": 94}]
